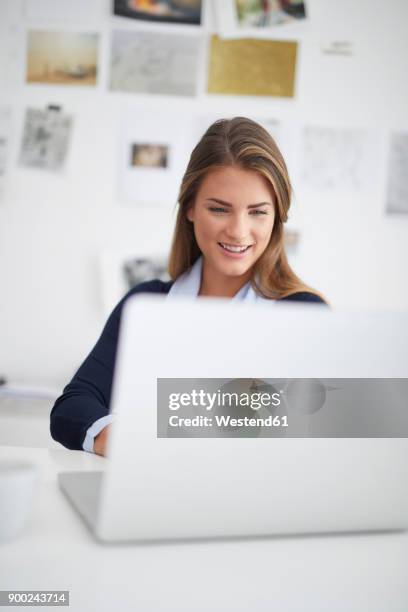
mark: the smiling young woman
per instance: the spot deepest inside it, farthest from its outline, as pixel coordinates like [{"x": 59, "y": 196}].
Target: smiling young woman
[
  {"x": 236, "y": 192},
  {"x": 228, "y": 242},
  {"x": 232, "y": 215}
]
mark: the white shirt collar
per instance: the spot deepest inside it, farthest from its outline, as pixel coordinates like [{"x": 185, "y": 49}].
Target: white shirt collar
[{"x": 188, "y": 284}]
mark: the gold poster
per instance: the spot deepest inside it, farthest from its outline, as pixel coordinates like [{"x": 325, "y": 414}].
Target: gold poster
[{"x": 252, "y": 67}]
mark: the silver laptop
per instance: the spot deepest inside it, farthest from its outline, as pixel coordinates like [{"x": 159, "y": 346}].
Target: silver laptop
[{"x": 314, "y": 474}]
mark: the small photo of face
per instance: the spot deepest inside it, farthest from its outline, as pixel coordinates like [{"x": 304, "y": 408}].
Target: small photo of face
[{"x": 149, "y": 155}]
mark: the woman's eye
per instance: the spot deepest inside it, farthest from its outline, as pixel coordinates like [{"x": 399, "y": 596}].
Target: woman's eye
[{"x": 217, "y": 209}]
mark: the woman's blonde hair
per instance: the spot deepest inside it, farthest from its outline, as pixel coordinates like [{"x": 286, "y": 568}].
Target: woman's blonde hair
[{"x": 239, "y": 142}]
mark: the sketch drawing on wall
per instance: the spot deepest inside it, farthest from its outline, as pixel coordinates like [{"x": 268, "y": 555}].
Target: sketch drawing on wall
[
  {"x": 334, "y": 159},
  {"x": 45, "y": 139},
  {"x": 154, "y": 63}
]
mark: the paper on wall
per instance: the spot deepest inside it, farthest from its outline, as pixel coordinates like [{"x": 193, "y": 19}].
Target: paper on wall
[
  {"x": 185, "y": 12},
  {"x": 121, "y": 270},
  {"x": 397, "y": 184},
  {"x": 62, "y": 57},
  {"x": 344, "y": 48},
  {"x": 154, "y": 151},
  {"x": 154, "y": 62},
  {"x": 260, "y": 18},
  {"x": 45, "y": 139},
  {"x": 334, "y": 159},
  {"x": 252, "y": 67}
]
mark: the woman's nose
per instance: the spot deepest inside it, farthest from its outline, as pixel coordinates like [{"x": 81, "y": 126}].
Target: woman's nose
[{"x": 238, "y": 228}]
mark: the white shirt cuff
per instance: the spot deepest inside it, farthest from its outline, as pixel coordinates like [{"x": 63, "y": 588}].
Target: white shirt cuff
[{"x": 93, "y": 431}]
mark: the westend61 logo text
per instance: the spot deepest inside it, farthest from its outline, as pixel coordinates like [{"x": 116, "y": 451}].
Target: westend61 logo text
[{"x": 221, "y": 400}]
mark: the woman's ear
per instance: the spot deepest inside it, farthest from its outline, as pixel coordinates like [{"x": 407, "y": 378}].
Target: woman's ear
[{"x": 190, "y": 213}]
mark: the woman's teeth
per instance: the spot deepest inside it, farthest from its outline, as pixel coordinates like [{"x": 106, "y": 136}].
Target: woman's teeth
[{"x": 234, "y": 249}]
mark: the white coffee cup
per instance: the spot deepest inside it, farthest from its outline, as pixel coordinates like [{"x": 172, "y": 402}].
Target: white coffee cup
[{"x": 18, "y": 481}]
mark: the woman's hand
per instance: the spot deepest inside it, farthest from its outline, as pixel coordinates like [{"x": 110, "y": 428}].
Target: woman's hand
[{"x": 100, "y": 441}]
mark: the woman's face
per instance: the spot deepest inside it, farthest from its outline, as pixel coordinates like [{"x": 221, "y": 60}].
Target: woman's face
[{"x": 233, "y": 217}]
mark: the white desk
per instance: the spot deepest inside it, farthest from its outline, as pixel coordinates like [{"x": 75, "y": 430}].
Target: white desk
[
  {"x": 25, "y": 422},
  {"x": 360, "y": 573}
]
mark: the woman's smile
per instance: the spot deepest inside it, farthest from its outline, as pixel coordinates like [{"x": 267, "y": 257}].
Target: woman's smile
[{"x": 236, "y": 251}]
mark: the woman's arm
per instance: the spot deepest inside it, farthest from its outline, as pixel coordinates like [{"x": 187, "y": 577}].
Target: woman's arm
[{"x": 87, "y": 397}]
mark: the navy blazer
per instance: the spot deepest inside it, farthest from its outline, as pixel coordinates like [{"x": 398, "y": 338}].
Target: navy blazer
[{"x": 87, "y": 397}]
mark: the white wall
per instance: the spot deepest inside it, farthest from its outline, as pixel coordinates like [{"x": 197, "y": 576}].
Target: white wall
[{"x": 53, "y": 227}]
